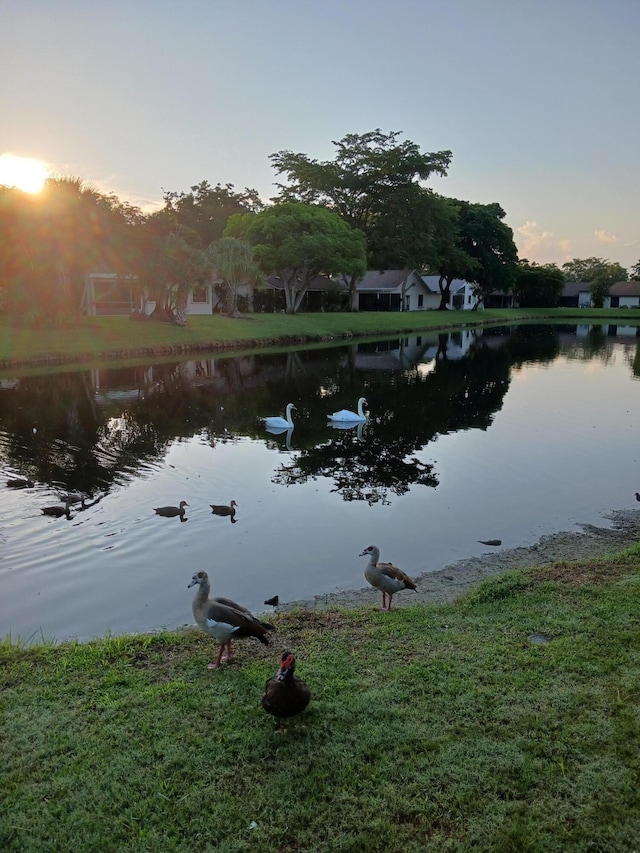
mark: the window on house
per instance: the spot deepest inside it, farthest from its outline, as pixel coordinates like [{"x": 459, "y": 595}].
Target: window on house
[
  {"x": 420, "y": 301},
  {"x": 200, "y": 293},
  {"x": 408, "y": 308}
]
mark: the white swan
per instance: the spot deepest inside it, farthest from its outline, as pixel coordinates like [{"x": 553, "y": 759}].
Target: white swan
[
  {"x": 280, "y": 423},
  {"x": 346, "y": 415}
]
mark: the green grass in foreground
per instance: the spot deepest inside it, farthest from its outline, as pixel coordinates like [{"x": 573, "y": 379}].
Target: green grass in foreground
[
  {"x": 435, "y": 728},
  {"x": 96, "y": 336}
]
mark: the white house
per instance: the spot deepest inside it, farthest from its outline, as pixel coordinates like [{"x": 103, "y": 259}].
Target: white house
[
  {"x": 113, "y": 294},
  {"x": 394, "y": 290},
  {"x": 623, "y": 294},
  {"x": 461, "y": 297}
]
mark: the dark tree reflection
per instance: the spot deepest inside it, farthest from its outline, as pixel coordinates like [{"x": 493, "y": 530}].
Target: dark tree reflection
[
  {"x": 408, "y": 411},
  {"x": 87, "y": 430}
]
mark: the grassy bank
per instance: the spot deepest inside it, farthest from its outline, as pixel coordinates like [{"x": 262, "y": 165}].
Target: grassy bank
[
  {"x": 110, "y": 337},
  {"x": 434, "y": 728}
]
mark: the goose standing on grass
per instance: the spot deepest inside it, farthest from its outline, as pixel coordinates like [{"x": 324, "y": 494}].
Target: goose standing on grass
[
  {"x": 171, "y": 511},
  {"x": 285, "y": 695},
  {"x": 386, "y": 577},
  {"x": 58, "y": 511},
  {"x": 223, "y": 619},
  {"x": 223, "y": 509},
  {"x": 280, "y": 423},
  {"x": 347, "y": 416}
]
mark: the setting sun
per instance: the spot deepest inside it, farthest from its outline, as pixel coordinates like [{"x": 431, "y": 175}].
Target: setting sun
[{"x": 25, "y": 173}]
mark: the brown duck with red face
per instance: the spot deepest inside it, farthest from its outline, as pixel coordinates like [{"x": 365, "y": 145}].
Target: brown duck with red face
[
  {"x": 223, "y": 619},
  {"x": 285, "y": 695}
]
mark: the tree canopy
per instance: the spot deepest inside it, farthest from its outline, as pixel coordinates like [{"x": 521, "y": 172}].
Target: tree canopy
[
  {"x": 299, "y": 241},
  {"x": 538, "y": 285},
  {"x": 375, "y": 183},
  {"x": 488, "y": 241},
  {"x": 206, "y": 209}
]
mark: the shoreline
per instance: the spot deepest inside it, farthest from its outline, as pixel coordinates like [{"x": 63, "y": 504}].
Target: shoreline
[{"x": 453, "y": 581}]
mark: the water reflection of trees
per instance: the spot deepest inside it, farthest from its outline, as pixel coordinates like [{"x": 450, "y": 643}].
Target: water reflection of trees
[
  {"x": 86, "y": 430},
  {"x": 409, "y": 409}
]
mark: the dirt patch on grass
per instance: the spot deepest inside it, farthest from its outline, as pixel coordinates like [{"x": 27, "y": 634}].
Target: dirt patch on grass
[{"x": 565, "y": 553}]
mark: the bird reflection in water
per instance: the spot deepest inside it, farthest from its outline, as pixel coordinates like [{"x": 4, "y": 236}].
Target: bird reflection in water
[
  {"x": 224, "y": 510},
  {"x": 286, "y": 431}
]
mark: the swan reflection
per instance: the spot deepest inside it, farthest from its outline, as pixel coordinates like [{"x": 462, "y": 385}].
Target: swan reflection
[
  {"x": 359, "y": 427},
  {"x": 287, "y": 431}
]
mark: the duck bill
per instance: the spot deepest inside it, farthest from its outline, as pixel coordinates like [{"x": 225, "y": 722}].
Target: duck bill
[{"x": 191, "y": 583}]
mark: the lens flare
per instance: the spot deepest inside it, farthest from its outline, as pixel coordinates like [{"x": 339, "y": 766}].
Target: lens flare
[{"x": 24, "y": 173}]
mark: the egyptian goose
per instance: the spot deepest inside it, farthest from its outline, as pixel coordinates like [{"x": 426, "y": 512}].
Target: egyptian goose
[
  {"x": 57, "y": 511},
  {"x": 74, "y": 498},
  {"x": 385, "y": 576},
  {"x": 223, "y": 509},
  {"x": 20, "y": 483},
  {"x": 285, "y": 695},
  {"x": 349, "y": 416},
  {"x": 171, "y": 511},
  {"x": 223, "y": 619},
  {"x": 280, "y": 423}
]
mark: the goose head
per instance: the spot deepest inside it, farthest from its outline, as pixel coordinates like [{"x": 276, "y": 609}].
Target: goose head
[
  {"x": 371, "y": 551},
  {"x": 200, "y": 578}
]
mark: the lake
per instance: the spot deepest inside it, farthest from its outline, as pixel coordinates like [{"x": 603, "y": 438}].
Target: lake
[{"x": 501, "y": 433}]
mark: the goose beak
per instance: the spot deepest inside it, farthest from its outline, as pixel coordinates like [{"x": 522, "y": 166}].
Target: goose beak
[
  {"x": 191, "y": 583},
  {"x": 363, "y": 553}
]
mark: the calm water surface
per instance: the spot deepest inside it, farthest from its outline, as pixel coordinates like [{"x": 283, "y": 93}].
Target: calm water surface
[{"x": 508, "y": 434}]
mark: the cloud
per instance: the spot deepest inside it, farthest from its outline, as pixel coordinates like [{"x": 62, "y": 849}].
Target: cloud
[
  {"x": 536, "y": 244},
  {"x": 606, "y": 237}
]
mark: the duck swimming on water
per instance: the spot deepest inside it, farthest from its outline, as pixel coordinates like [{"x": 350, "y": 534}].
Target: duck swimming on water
[{"x": 171, "y": 511}]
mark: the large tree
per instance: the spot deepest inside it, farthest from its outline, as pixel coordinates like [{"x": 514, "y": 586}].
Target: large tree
[
  {"x": 488, "y": 241},
  {"x": 50, "y": 242},
  {"x": 206, "y": 209},
  {"x": 538, "y": 285},
  {"x": 299, "y": 241},
  {"x": 450, "y": 260},
  {"x": 169, "y": 262},
  {"x": 375, "y": 183}
]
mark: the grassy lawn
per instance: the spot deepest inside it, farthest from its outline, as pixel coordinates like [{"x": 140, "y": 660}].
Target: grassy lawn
[
  {"x": 97, "y": 337},
  {"x": 434, "y": 728}
]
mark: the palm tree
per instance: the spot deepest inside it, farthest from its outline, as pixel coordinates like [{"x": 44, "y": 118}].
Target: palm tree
[{"x": 235, "y": 265}]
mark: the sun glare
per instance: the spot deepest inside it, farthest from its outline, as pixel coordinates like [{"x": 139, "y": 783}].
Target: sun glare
[{"x": 24, "y": 173}]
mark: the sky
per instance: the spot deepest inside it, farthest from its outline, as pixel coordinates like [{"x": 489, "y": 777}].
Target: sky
[{"x": 538, "y": 100}]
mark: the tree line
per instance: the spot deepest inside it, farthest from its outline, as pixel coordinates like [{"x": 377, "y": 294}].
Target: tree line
[{"x": 368, "y": 208}]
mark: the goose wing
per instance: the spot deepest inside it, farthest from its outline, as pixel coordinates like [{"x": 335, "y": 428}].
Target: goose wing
[{"x": 391, "y": 571}]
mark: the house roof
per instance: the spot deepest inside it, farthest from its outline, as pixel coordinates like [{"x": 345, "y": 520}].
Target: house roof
[
  {"x": 625, "y": 288},
  {"x": 573, "y": 288},
  {"x": 432, "y": 283},
  {"x": 377, "y": 280},
  {"x": 320, "y": 282}
]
